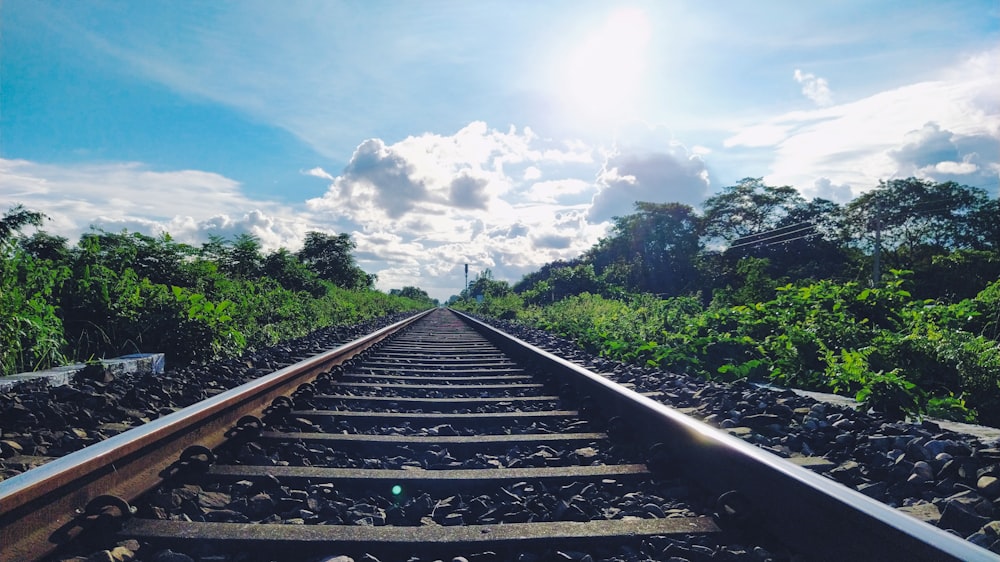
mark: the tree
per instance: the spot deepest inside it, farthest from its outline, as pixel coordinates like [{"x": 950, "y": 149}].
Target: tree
[
  {"x": 282, "y": 266},
  {"x": 986, "y": 223},
  {"x": 652, "y": 250},
  {"x": 915, "y": 216},
  {"x": 15, "y": 219},
  {"x": 415, "y": 293},
  {"x": 750, "y": 207},
  {"x": 44, "y": 246},
  {"x": 31, "y": 332},
  {"x": 807, "y": 244},
  {"x": 160, "y": 259},
  {"x": 243, "y": 260},
  {"x": 919, "y": 223},
  {"x": 330, "y": 257},
  {"x": 484, "y": 285}
]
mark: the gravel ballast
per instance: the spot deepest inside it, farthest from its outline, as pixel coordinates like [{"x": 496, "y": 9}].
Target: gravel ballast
[
  {"x": 949, "y": 479},
  {"x": 946, "y": 478}
]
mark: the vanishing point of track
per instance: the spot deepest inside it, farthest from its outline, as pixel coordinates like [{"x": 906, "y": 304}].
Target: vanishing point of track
[{"x": 415, "y": 414}]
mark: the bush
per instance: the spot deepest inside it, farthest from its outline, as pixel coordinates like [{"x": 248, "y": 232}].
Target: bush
[{"x": 891, "y": 352}]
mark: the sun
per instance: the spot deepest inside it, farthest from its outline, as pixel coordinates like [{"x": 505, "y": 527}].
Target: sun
[{"x": 603, "y": 75}]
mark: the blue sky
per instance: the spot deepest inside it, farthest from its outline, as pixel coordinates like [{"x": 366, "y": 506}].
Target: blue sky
[{"x": 500, "y": 134}]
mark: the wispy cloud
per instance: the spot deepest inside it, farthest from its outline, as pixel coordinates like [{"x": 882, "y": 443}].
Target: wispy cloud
[
  {"x": 910, "y": 130},
  {"x": 318, "y": 172}
]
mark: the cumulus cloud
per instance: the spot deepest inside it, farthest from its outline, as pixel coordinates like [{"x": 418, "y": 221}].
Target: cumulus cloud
[
  {"x": 813, "y": 87},
  {"x": 469, "y": 197},
  {"x": 434, "y": 173},
  {"x": 553, "y": 241},
  {"x": 468, "y": 192},
  {"x": 938, "y": 154},
  {"x": 378, "y": 175},
  {"x": 956, "y": 168},
  {"x": 674, "y": 175},
  {"x": 824, "y": 188},
  {"x": 925, "y": 146}
]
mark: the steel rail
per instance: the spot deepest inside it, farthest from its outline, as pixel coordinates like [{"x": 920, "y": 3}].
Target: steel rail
[
  {"x": 812, "y": 515},
  {"x": 41, "y": 509}
]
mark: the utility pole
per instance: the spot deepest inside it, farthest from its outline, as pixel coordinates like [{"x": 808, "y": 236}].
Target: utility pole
[
  {"x": 466, "y": 278},
  {"x": 877, "y": 269}
]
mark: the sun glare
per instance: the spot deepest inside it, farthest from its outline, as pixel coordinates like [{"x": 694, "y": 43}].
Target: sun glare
[{"x": 602, "y": 76}]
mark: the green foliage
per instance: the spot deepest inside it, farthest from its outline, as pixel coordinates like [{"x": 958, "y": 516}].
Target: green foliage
[
  {"x": 16, "y": 219},
  {"x": 987, "y": 312},
  {"x": 652, "y": 250},
  {"x": 748, "y": 208},
  {"x": 415, "y": 294},
  {"x": 889, "y": 351},
  {"x": 205, "y": 317},
  {"x": 490, "y": 297},
  {"x": 952, "y": 408},
  {"x": 331, "y": 258},
  {"x": 558, "y": 282},
  {"x": 287, "y": 270},
  {"x": 117, "y": 293},
  {"x": 31, "y": 332}
]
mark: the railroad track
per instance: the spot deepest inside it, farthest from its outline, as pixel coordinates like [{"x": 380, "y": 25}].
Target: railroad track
[{"x": 442, "y": 437}]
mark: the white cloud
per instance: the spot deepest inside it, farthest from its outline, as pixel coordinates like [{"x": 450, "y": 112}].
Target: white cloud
[
  {"x": 673, "y": 175},
  {"x": 318, "y": 173},
  {"x": 956, "y": 168},
  {"x": 826, "y": 189},
  {"x": 813, "y": 87},
  {"x": 553, "y": 191},
  {"x": 428, "y": 202},
  {"x": 473, "y": 199},
  {"x": 765, "y": 134},
  {"x": 896, "y": 133},
  {"x": 185, "y": 203}
]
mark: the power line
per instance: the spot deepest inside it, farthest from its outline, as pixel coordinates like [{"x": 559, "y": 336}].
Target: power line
[
  {"x": 760, "y": 240},
  {"x": 791, "y": 239},
  {"x": 758, "y": 234}
]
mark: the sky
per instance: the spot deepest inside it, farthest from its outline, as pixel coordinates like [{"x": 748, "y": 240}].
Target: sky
[{"x": 503, "y": 135}]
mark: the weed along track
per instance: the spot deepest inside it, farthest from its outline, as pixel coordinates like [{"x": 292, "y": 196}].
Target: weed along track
[{"x": 442, "y": 438}]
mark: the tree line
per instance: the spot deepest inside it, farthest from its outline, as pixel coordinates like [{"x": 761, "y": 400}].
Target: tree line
[
  {"x": 115, "y": 293},
  {"x": 893, "y": 297},
  {"x": 947, "y": 234}
]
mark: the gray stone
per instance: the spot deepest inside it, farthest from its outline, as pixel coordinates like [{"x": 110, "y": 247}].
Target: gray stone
[
  {"x": 961, "y": 518},
  {"x": 989, "y": 486}
]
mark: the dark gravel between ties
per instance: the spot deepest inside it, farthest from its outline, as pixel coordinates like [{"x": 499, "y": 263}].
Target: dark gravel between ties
[
  {"x": 951, "y": 479},
  {"x": 38, "y": 422}
]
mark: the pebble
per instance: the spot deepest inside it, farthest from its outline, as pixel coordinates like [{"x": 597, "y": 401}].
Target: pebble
[{"x": 989, "y": 486}]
